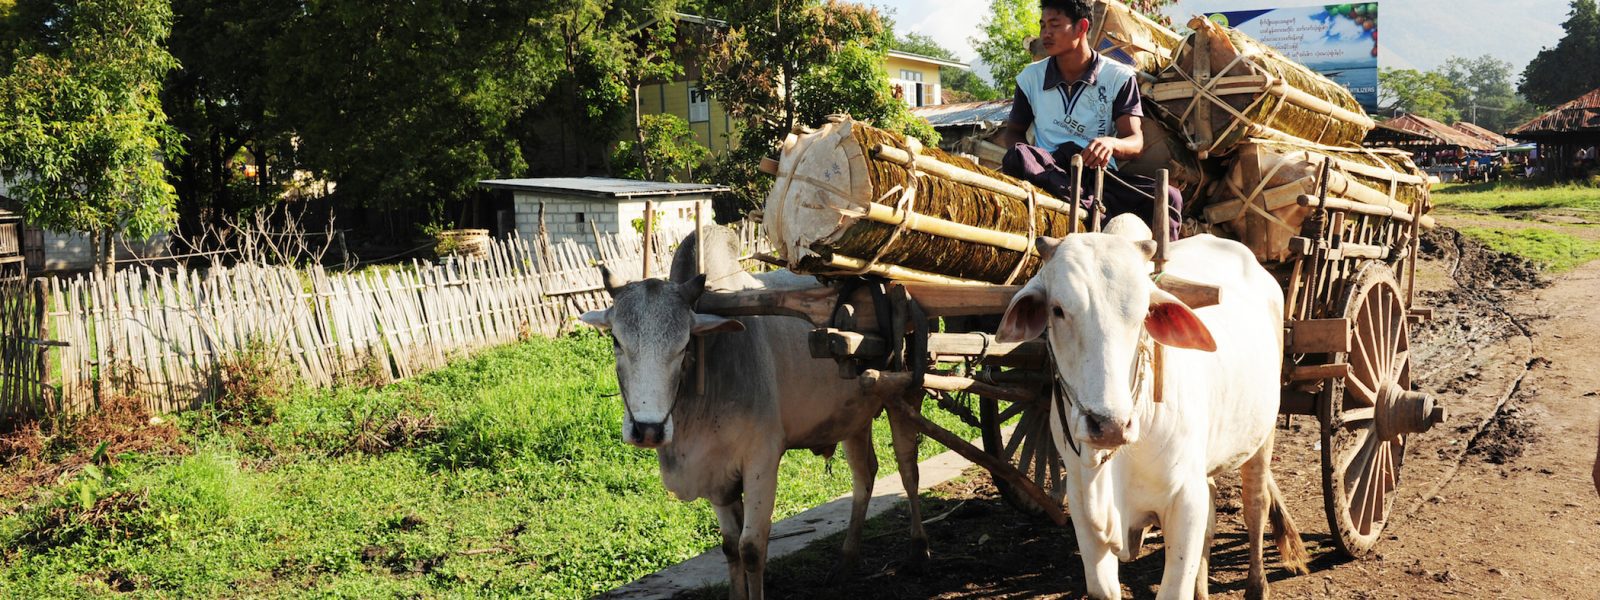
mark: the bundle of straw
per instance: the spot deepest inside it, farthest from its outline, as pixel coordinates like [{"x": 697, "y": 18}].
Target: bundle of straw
[
  {"x": 1257, "y": 202},
  {"x": 1224, "y": 87},
  {"x": 852, "y": 199},
  {"x": 1125, "y": 35}
]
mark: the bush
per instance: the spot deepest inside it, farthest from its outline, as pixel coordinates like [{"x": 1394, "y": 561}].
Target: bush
[{"x": 249, "y": 383}]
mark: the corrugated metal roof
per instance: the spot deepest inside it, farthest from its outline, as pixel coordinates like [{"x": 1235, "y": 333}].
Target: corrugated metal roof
[
  {"x": 602, "y": 187},
  {"x": 1579, "y": 115},
  {"x": 929, "y": 59},
  {"x": 988, "y": 113},
  {"x": 1441, "y": 133},
  {"x": 1481, "y": 133}
]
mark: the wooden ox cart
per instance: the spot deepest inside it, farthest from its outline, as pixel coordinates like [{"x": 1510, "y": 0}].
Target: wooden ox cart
[{"x": 1347, "y": 273}]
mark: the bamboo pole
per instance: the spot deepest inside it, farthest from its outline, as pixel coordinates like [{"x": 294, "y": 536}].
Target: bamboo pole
[
  {"x": 909, "y": 219},
  {"x": 1160, "y": 205}
]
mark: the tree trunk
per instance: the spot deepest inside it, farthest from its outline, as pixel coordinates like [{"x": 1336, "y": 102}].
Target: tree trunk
[{"x": 638, "y": 136}]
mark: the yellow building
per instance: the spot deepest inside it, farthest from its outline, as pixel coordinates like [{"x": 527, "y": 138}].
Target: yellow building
[{"x": 915, "y": 79}]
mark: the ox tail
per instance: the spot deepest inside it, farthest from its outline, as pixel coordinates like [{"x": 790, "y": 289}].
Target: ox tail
[{"x": 1291, "y": 550}]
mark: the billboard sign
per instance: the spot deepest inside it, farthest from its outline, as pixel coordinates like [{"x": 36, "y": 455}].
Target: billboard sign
[{"x": 1339, "y": 41}]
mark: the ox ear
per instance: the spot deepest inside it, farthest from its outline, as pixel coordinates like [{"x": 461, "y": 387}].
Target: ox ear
[
  {"x": 612, "y": 282},
  {"x": 598, "y": 319},
  {"x": 1026, "y": 317},
  {"x": 1148, "y": 248},
  {"x": 1046, "y": 247},
  {"x": 1171, "y": 323},
  {"x": 691, "y": 289},
  {"x": 708, "y": 324}
]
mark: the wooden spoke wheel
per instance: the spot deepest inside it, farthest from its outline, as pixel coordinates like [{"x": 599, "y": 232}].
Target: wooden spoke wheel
[
  {"x": 1030, "y": 446},
  {"x": 1367, "y": 415}
]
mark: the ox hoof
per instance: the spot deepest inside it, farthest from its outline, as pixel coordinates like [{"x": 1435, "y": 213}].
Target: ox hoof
[
  {"x": 918, "y": 557},
  {"x": 844, "y": 570},
  {"x": 1257, "y": 591}
]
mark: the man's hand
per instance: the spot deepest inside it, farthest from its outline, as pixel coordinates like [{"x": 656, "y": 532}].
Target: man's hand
[{"x": 1099, "y": 152}]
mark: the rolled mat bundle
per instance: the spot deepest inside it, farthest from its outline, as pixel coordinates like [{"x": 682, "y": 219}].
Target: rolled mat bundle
[
  {"x": 1224, "y": 87},
  {"x": 1125, "y": 35},
  {"x": 852, "y": 199},
  {"x": 1257, "y": 202}
]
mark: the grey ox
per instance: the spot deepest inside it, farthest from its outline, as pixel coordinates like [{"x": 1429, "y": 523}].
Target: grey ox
[
  {"x": 1142, "y": 434},
  {"x": 763, "y": 394}
]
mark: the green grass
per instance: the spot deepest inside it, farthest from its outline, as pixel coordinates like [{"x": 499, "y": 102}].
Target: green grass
[
  {"x": 1516, "y": 196},
  {"x": 517, "y": 486},
  {"x": 1551, "y": 249}
]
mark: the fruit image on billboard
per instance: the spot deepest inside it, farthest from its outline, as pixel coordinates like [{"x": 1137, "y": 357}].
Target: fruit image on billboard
[{"x": 1338, "y": 40}]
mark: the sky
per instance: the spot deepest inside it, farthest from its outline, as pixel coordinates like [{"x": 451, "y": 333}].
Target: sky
[{"x": 1416, "y": 34}]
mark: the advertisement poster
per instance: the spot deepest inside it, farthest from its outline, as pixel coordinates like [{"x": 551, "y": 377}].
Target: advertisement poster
[{"x": 1339, "y": 41}]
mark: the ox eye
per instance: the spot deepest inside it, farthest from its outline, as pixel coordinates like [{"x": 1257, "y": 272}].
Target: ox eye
[{"x": 1058, "y": 312}]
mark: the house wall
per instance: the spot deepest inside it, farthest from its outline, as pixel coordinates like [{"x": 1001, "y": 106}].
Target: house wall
[
  {"x": 712, "y": 127},
  {"x": 570, "y": 217},
  {"x": 904, "y": 73},
  {"x": 74, "y": 252}
]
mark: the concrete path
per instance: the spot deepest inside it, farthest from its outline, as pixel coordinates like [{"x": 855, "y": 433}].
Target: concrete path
[{"x": 790, "y": 535}]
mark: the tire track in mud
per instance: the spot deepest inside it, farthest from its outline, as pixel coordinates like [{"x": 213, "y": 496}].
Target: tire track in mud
[{"x": 1479, "y": 289}]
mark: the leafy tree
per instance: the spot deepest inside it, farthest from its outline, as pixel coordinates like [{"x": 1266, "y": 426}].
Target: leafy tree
[
  {"x": 410, "y": 104},
  {"x": 783, "y": 63},
  {"x": 1483, "y": 92},
  {"x": 82, "y": 131},
  {"x": 962, "y": 85},
  {"x": 1421, "y": 93},
  {"x": 1004, "y": 44},
  {"x": 666, "y": 147},
  {"x": 1570, "y": 69},
  {"x": 220, "y": 101}
]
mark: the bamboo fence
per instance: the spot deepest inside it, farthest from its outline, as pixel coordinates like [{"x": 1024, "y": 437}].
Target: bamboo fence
[{"x": 164, "y": 335}]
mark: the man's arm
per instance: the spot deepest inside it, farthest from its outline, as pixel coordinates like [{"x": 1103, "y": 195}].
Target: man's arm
[
  {"x": 1017, "y": 123},
  {"x": 1129, "y": 142}
]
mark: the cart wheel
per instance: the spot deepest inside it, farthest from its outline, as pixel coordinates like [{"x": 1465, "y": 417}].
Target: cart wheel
[
  {"x": 1031, "y": 447},
  {"x": 1367, "y": 415}
]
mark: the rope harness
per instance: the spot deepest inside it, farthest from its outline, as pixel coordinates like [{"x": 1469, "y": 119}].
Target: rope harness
[{"x": 1145, "y": 366}]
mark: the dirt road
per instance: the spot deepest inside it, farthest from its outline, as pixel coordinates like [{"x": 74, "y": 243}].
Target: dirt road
[{"x": 1495, "y": 504}]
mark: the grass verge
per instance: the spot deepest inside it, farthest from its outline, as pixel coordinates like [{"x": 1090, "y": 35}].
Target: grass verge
[
  {"x": 1552, "y": 250},
  {"x": 1517, "y": 196},
  {"x": 501, "y": 475}
]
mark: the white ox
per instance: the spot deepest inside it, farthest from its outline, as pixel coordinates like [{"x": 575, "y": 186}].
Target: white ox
[
  {"x": 1134, "y": 460},
  {"x": 764, "y": 394}
]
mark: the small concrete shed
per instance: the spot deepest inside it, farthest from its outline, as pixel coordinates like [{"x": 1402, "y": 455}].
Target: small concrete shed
[{"x": 575, "y": 207}]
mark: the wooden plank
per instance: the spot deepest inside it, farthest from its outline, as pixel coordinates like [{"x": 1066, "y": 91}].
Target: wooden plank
[{"x": 1316, "y": 336}]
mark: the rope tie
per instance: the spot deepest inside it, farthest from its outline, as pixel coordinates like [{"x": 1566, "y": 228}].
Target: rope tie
[
  {"x": 903, "y": 207},
  {"x": 1033, "y": 232}
]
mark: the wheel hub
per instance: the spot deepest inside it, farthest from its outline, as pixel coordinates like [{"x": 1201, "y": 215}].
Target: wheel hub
[{"x": 1403, "y": 412}]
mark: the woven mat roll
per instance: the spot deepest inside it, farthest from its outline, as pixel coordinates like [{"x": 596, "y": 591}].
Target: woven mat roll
[
  {"x": 1225, "y": 87},
  {"x": 842, "y": 207},
  {"x": 1127, "y": 36},
  {"x": 1256, "y": 202}
]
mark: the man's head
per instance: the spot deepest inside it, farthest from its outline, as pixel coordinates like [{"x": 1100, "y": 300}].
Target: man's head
[{"x": 1063, "y": 25}]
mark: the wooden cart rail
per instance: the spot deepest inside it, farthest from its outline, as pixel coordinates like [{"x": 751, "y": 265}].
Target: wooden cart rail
[{"x": 816, "y": 304}]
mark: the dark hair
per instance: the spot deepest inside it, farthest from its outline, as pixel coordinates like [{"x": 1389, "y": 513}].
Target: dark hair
[{"x": 1073, "y": 9}]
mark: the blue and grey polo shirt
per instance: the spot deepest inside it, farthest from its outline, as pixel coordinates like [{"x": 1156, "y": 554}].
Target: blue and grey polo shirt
[{"x": 1079, "y": 111}]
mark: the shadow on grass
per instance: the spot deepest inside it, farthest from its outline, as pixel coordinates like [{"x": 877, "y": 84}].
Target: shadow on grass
[{"x": 985, "y": 549}]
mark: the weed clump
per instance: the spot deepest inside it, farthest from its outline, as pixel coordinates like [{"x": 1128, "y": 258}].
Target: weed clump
[
  {"x": 97, "y": 503},
  {"x": 379, "y": 435},
  {"x": 250, "y": 382}
]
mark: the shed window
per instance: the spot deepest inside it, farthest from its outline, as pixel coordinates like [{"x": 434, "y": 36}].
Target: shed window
[{"x": 580, "y": 217}]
